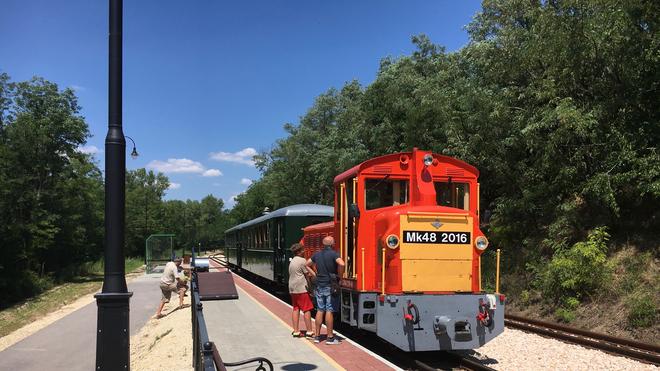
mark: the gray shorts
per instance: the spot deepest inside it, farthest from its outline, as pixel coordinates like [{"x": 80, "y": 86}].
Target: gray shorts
[{"x": 167, "y": 291}]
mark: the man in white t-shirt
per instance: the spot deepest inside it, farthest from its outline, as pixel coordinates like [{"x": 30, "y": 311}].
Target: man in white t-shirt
[{"x": 168, "y": 285}]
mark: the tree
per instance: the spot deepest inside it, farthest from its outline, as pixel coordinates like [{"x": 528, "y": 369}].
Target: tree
[
  {"x": 554, "y": 102},
  {"x": 49, "y": 191},
  {"x": 144, "y": 210}
]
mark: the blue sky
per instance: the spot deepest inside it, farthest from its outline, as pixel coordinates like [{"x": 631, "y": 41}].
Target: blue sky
[{"x": 207, "y": 83}]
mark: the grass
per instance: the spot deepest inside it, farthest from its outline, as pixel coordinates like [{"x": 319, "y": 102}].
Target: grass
[
  {"x": 630, "y": 294},
  {"x": 88, "y": 281},
  {"x": 642, "y": 311}
]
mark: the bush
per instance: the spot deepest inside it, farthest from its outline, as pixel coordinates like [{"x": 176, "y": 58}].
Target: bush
[
  {"x": 578, "y": 271},
  {"x": 29, "y": 283},
  {"x": 571, "y": 303},
  {"x": 525, "y": 297},
  {"x": 642, "y": 311},
  {"x": 565, "y": 315}
]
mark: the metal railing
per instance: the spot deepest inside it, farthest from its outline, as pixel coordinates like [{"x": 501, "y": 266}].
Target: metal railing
[{"x": 202, "y": 346}]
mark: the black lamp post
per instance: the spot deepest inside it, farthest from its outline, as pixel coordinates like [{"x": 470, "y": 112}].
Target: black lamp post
[{"x": 113, "y": 332}]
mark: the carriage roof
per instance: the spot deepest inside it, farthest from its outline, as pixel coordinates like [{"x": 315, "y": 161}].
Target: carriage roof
[{"x": 293, "y": 210}]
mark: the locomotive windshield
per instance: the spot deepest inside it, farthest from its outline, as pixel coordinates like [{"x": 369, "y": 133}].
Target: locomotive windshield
[
  {"x": 385, "y": 192},
  {"x": 453, "y": 194}
]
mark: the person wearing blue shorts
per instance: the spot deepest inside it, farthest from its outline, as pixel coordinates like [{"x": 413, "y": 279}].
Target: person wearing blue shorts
[{"x": 328, "y": 268}]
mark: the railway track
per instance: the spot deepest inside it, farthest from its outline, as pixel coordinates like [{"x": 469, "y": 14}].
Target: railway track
[
  {"x": 450, "y": 360},
  {"x": 425, "y": 361},
  {"x": 648, "y": 353}
]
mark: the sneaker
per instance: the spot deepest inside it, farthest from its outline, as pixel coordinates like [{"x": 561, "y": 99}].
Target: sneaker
[
  {"x": 332, "y": 341},
  {"x": 317, "y": 339}
]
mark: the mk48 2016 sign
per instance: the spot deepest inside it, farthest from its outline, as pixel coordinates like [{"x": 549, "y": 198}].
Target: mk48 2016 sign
[{"x": 436, "y": 237}]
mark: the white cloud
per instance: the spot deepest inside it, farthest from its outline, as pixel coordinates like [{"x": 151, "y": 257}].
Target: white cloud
[
  {"x": 176, "y": 165},
  {"x": 246, "y": 181},
  {"x": 243, "y": 156},
  {"x": 212, "y": 172},
  {"x": 174, "y": 186},
  {"x": 90, "y": 150}
]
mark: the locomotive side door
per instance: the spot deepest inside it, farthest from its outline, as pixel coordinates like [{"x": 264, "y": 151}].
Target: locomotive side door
[{"x": 348, "y": 225}]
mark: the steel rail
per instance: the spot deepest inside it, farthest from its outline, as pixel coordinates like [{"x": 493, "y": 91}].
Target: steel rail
[
  {"x": 649, "y": 353},
  {"x": 440, "y": 360}
]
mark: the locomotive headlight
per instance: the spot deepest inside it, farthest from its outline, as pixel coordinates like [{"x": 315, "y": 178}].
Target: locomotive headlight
[
  {"x": 392, "y": 241},
  {"x": 428, "y": 159},
  {"x": 481, "y": 243}
]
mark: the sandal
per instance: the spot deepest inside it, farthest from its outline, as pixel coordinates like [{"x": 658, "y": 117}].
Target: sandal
[
  {"x": 310, "y": 335},
  {"x": 297, "y": 334}
]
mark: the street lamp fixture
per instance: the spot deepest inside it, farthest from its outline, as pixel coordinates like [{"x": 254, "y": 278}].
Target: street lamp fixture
[{"x": 134, "y": 153}]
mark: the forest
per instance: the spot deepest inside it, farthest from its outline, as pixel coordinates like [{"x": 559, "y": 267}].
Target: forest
[
  {"x": 555, "y": 102},
  {"x": 52, "y": 195}
]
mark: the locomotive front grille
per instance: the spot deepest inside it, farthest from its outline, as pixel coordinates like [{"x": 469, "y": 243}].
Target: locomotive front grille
[{"x": 436, "y": 252}]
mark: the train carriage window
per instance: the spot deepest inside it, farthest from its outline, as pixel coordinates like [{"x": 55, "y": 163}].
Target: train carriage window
[
  {"x": 453, "y": 194},
  {"x": 385, "y": 192}
]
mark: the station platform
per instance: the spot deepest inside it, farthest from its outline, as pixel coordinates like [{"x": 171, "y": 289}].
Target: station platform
[{"x": 259, "y": 325}]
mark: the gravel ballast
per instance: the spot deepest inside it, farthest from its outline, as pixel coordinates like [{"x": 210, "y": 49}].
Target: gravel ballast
[{"x": 519, "y": 350}]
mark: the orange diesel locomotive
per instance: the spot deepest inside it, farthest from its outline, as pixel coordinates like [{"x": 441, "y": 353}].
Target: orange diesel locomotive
[{"x": 407, "y": 226}]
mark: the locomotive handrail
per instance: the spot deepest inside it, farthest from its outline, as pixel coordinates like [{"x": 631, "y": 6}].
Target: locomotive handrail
[
  {"x": 354, "y": 247},
  {"x": 430, "y": 213},
  {"x": 342, "y": 243},
  {"x": 362, "y": 269},
  {"x": 383, "y": 274}
]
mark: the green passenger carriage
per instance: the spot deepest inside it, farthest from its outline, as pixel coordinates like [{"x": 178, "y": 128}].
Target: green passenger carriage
[{"x": 261, "y": 245}]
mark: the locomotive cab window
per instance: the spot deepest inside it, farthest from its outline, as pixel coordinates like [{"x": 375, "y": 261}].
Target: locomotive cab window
[
  {"x": 385, "y": 192},
  {"x": 452, "y": 194}
]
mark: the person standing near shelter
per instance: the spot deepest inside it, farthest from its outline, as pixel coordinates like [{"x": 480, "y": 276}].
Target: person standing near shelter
[
  {"x": 298, "y": 289},
  {"x": 168, "y": 285},
  {"x": 329, "y": 267}
]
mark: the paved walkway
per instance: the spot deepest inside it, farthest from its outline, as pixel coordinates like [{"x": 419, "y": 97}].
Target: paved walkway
[
  {"x": 242, "y": 329},
  {"x": 258, "y": 324},
  {"x": 70, "y": 343}
]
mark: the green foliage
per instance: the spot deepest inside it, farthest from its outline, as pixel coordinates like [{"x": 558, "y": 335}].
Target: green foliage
[
  {"x": 634, "y": 266},
  {"x": 50, "y": 193},
  {"x": 525, "y": 297},
  {"x": 565, "y": 315},
  {"x": 52, "y": 197},
  {"x": 29, "y": 283},
  {"x": 578, "y": 271},
  {"x": 554, "y": 102},
  {"x": 571, "y": 303},
  {"x": 193, "y": 222},
  {"x": 643, "y": 311}
]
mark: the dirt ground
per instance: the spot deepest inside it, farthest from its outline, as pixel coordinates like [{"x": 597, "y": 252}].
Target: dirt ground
[{"x": 166, "y": 343}]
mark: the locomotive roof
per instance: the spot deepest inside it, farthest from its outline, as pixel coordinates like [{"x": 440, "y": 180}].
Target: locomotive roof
[
  {"x": 350, "y": 173},
  {"x": 293, "y": 210}
]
